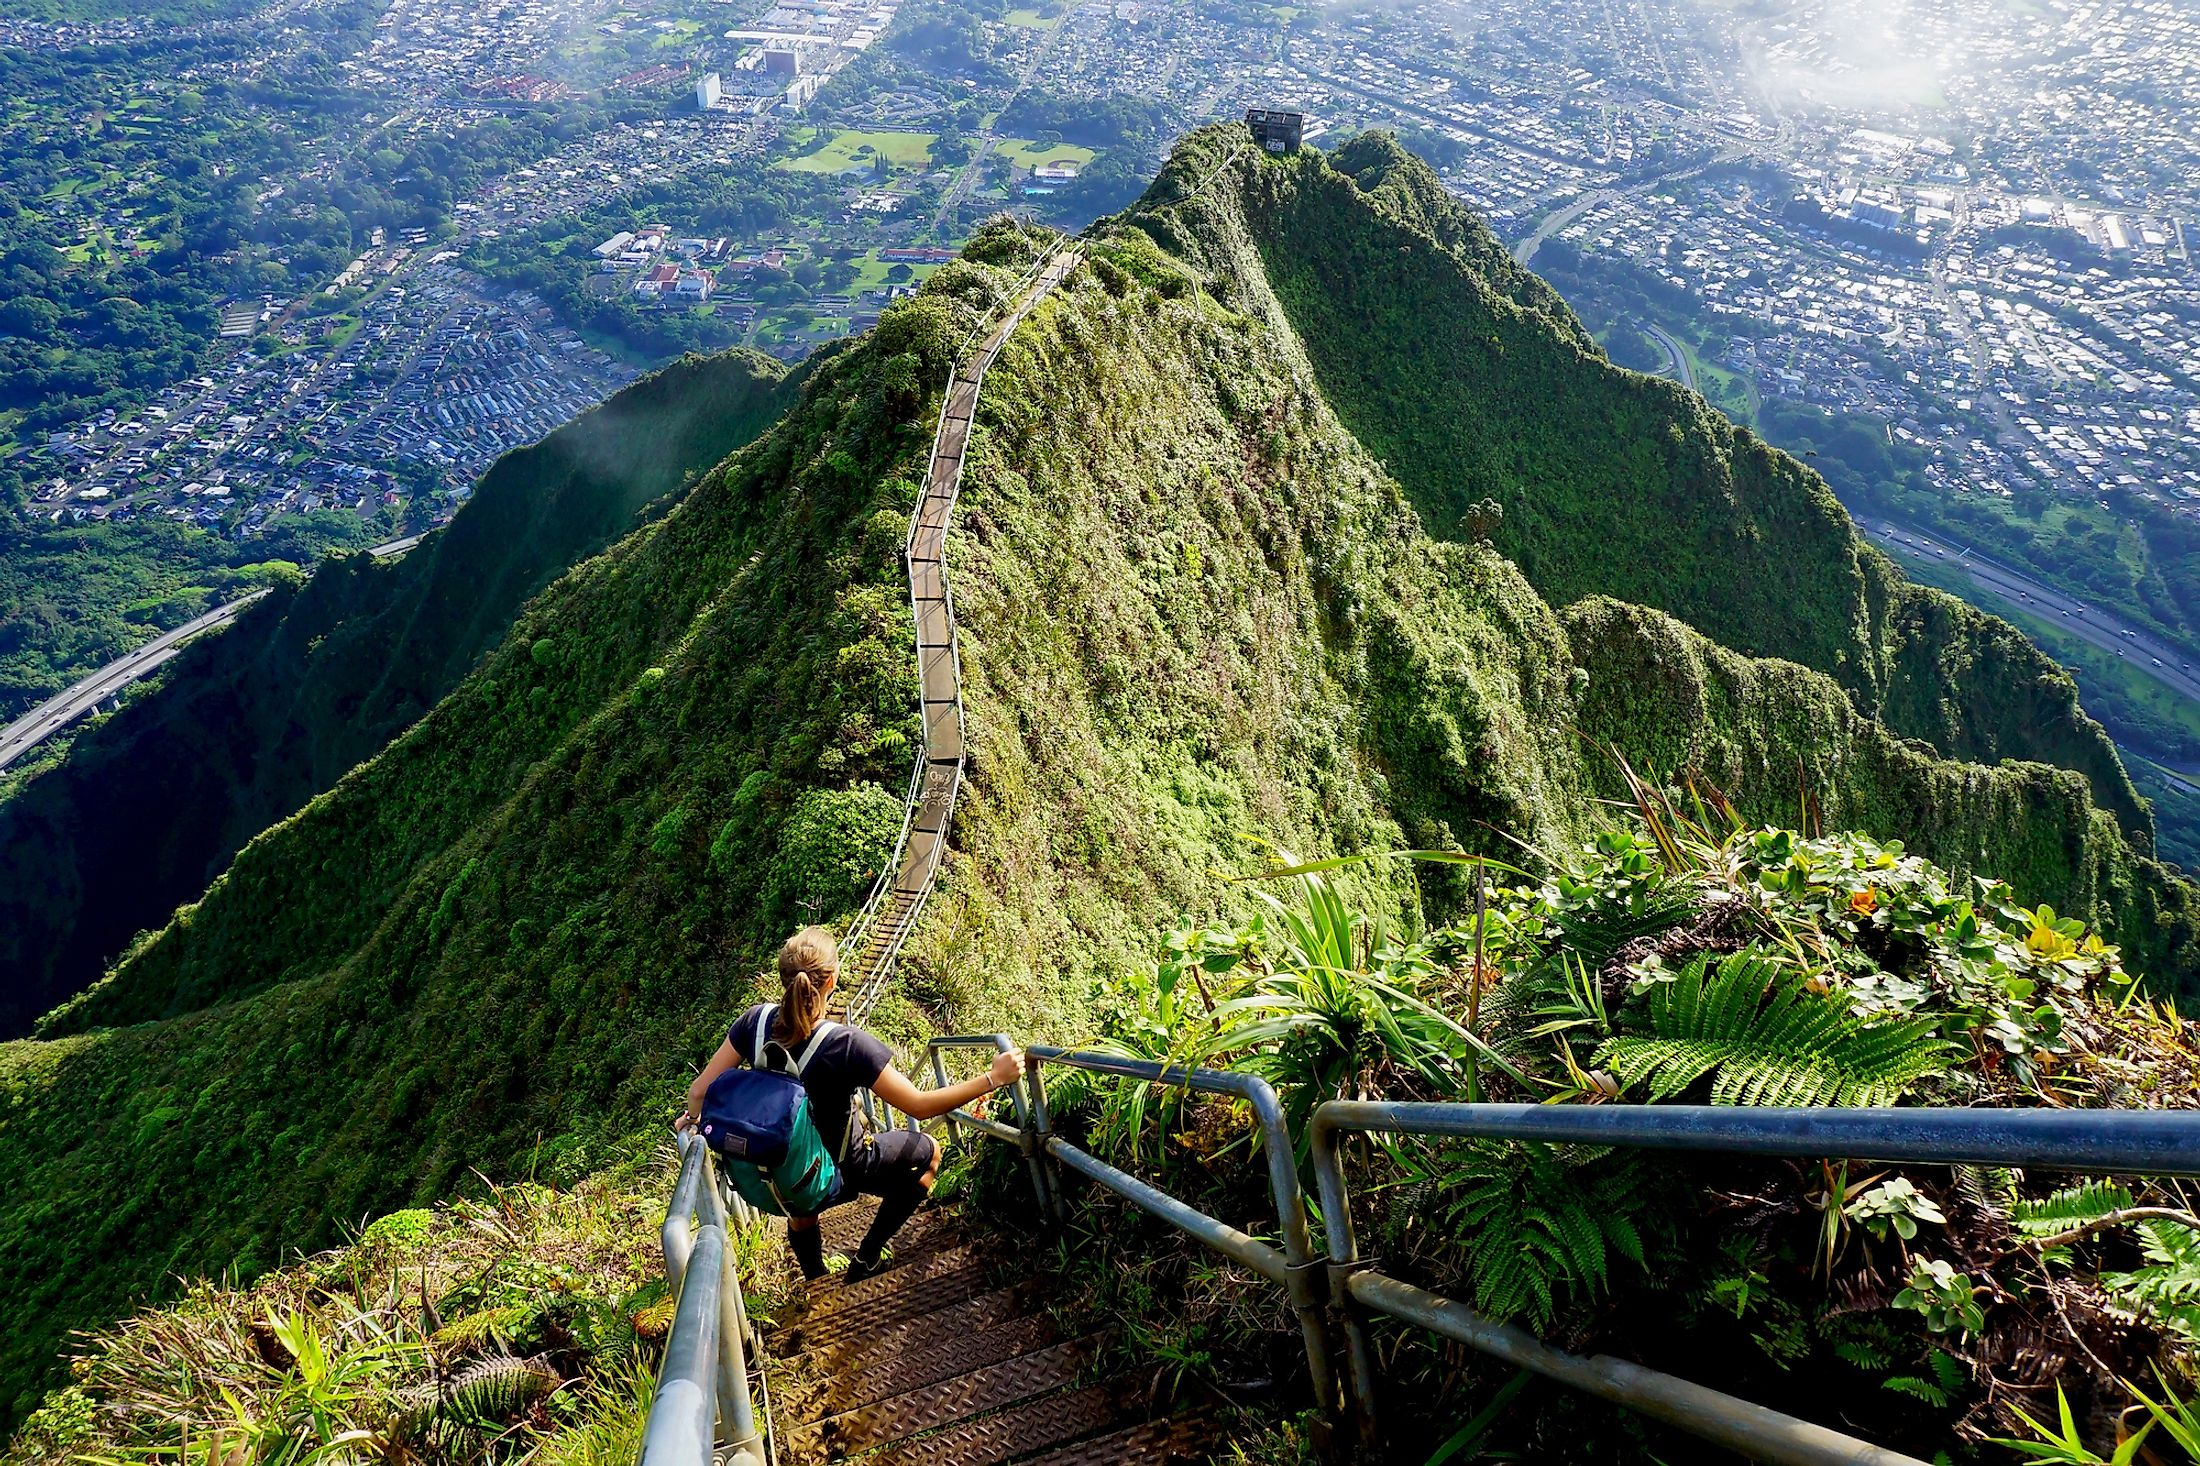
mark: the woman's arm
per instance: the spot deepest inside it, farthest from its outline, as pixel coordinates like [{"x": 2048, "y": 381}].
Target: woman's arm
[
  {"x": 726, "y": 1057},
  {"x": 894, "y": 1087}
]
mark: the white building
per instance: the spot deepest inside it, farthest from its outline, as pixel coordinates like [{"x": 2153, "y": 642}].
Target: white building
[{"x": 707, "y": 91}]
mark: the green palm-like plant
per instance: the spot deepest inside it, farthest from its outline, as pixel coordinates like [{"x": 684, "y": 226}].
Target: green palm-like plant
[
  {"x": 1338, "y": 1008},
  {"x": 1767, "y": 1039}
]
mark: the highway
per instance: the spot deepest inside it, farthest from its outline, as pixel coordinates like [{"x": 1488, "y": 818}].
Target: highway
[
  {"x": 2152, "y": 656},
  {"x": 1682, "y": 371},
  {"x": 65, "y": 707}
]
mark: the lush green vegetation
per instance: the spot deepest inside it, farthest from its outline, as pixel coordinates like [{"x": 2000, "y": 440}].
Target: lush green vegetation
[
  {"x": 1689, "y": 958},
  {"x": 1476, "y": 387},
  {"x": 73, "y": 597},
  {"x": 1194, "y": 609},
  {"x": 2117, "y": 549},
  {"x": 521, "y": 1324},
  {"x": 244, "y": 728}
]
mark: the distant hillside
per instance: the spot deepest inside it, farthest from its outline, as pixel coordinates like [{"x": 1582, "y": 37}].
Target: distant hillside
[
  {"x": 244, "y": 728},
  {"x": 1472, "y": 382},
  {"x": 1196, "y": 611}
]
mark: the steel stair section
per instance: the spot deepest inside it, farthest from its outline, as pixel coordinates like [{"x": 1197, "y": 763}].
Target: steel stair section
[
  {"x": 948, "y": 1357},
  {"x": 897, "y": 898}
]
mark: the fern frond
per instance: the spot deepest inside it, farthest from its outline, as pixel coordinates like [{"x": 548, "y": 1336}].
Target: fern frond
[
  {"x": 1766, "y": 1039},
  {"x": 2070, "y": 1208},
  {"x": 1596, "y": 933},
  {"x": 499, "y": 1389},
  {"x": 484, "y": 1326}
]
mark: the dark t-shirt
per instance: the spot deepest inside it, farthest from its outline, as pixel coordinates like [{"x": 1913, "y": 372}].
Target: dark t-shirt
[{"x": 848, "y": 1060}]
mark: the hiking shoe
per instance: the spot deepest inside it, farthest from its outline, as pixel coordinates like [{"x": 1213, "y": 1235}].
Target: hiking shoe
[{"x": 857, "y": 1269}]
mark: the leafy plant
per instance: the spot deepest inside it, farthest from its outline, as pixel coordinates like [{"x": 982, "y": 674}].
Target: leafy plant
[
  {"x": 1532, "y": 1227},
  {"x": 2166, "y": 1290},
  {"x": 2064, "y": 1444},
  {"x": 2177, "y": 1415},
  {"x": 1942, "y": 1381},
  {"x": 1767, "y": 1039},
  {"x": 1947, "y": 1299},
  {"x": 1894, "y": 1205}
]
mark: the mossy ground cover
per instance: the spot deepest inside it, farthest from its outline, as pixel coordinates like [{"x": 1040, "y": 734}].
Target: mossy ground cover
[{"x": 1197, "y": 614}]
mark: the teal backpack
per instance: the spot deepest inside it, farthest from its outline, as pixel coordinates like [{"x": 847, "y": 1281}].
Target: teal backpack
[{"x": 756, "y": 1116}]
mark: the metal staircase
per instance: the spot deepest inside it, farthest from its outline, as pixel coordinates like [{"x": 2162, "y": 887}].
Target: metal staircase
[
  {"x": 947, "y": 1359},
  {"x": 897, "y": 898}
]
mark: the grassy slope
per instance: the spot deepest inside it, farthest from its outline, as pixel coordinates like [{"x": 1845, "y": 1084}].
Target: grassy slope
[
  {"x": 246, "y": 727},
  {"x": 1194, "y": 609},
  {"x": 1472, "y": 381}
]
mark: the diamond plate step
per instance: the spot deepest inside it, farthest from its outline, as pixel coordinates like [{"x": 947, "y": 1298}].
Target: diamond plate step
[
  {"x": 969, "y": 1398},
  {"x": 1020, "y": 1430},
  {"x": 871, "y": 1350},
  {"x": 835, "y": 1298},
  {"x": 810, "y": 1392},
  {"x": 930, "y": 1230},
  {"x": 912, "y": 1299},
  {"x": 1184, "y": 1438},
  {"x": 930, "y": 1358}
]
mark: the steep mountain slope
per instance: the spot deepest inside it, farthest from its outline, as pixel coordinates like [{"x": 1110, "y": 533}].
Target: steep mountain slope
[
  {"x": 1194, "y": 610},
  {"x": 152, "y": 803},
  {"x": 1473, "y": 382}
]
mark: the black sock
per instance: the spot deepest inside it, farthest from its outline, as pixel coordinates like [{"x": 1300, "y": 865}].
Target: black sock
[
  {"x": 809, "y": 1250},
  {"x": 892, "y": 1212}
]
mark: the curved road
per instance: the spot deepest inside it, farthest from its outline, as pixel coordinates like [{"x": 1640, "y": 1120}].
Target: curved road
[
  {"x": 2157, "y": 659},
  {"x": 65, "y": 707},
  {"x": 1682, "y": 371}
]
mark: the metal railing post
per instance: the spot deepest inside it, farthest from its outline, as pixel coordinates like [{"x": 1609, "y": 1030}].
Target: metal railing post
[
  {"x": 1283, "y": 1182},
  {"x": 1039, "y": 1134},
  {"x": 683, "y": 1418},
  {"x": 1344, "y": 1260},
  {"x": 736, "y": 1412},
  {"x": 2146, "y": 1142},
  {"x": 1021, "y": 1134},
  {"x": 703, "y": 1385},
  {"x": 680, "y": 1215}
]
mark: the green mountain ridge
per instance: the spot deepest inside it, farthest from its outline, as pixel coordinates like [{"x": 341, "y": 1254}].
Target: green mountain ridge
[
  {"x": 242, "y": 729},
  {"x": 1194, "y": 608}
]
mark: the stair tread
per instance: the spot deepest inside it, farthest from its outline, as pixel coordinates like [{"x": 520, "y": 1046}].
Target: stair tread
[
  {"x": 928, "y": 1231},
  {"x": 912, "y": 1298},
  {"x": 1034, "y": 1425},
  {"x": 936, "y": 1355},
  {"x": 1149, "y": 1443},
  {"x": 984, "y": 1311},
  {"x": 962, "y": 1398},
  {"x": 835, "y": 1299}
]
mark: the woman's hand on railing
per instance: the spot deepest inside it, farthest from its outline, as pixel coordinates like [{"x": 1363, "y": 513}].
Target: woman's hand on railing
[
  {"x": 1007, "y": 1068},
  {"x": 684, "y": 1124}
]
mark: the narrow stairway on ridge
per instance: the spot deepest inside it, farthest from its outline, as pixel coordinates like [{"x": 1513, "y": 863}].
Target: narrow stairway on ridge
[
  {"x": 952, "y": 1356},
  {"x": 906, "y": 879}
]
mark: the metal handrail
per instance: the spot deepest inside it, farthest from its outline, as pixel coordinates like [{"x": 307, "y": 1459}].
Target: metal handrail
[
  {"x": 1292, "y": 1265},
  {"x": 2151, "y": 1142},
  {"x": 1023, "y": 1135},
  {"x": 703, "y": 1385}
]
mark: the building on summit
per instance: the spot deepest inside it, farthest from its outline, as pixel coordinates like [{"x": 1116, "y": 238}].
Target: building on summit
[{"x": 1276, "y": 132}]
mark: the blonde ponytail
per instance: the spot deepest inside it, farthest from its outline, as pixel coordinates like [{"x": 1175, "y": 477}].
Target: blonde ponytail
[{"x": 808, "y": 961}]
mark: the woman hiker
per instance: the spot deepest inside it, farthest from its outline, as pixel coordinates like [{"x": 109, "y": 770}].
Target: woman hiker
[{"x": 897, "y": 1167}]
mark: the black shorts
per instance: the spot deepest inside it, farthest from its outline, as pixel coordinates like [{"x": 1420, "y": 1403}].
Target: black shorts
[{"x": 879, "y": 1164}]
